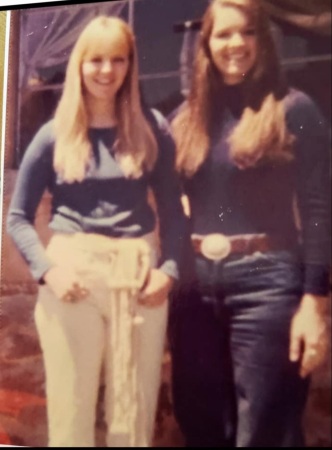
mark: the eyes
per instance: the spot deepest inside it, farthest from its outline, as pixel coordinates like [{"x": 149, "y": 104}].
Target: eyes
[
  {"x": 98, "y": 61},
  {"x": 228, "y": 34}
]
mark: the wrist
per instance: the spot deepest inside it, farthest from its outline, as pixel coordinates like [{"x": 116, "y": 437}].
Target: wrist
[
  {"x": 315, "y": 303},
  {"x": 169, "y": 280},
  {"x": 49, "y": 273}
]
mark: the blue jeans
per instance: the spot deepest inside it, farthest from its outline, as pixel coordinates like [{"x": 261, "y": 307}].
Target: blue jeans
[{"x": 233, "y": 383}]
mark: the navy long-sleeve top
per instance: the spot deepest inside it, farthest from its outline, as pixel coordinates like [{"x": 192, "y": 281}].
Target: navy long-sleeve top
[
  {"x": 225, "y": 199},
  {"x": 105, "y": 202}
]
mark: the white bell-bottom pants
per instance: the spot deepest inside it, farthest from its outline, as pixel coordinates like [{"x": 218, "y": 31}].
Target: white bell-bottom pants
[{"x": 76, "y": 339}]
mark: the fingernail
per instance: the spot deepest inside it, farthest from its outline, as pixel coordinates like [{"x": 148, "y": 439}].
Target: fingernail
[{"x": 138, "y": 320}]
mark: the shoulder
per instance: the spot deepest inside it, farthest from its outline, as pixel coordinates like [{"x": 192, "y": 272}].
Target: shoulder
[
  {"x": 177, "y": 111},
  {"x": 298, "y": 101},
  {"x": 162, "y": 131},
  {"x": 42, "y": 143},
  {"x": 45, "y": 136},
  {"x": 161, "y": 127},
  {"x": 160, "y": 121},
  {"x": 46, "y": 132},
  {"x": 302, "y": 113}
]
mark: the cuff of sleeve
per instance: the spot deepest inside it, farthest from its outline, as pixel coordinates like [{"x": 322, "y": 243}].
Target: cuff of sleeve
[
  {"x": 39, "y": 271},
  {"x": 170, "y": 268},
  {"x": 317, "y": 279}
]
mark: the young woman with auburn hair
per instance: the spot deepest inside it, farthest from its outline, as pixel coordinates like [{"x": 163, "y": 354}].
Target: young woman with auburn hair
[
  {"x": 104, "y": 281},
  {"x": 251, "y": 327}
]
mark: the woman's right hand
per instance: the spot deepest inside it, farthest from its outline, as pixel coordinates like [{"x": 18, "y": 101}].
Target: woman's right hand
[
  {"x": 309, "y": 339},
  {"x": 65, "y": 284}
]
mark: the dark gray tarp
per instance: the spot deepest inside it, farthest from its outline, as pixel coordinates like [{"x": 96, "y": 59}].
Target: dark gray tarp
[
  {"x": 48, "y": 34},
  {"x": 311, "y": 15}
]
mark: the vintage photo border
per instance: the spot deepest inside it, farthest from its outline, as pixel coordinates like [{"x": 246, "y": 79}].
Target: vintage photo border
[{"x": 4, "y": 55}]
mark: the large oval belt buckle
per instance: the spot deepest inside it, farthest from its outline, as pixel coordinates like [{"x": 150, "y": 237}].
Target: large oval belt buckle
[{"x": 215, "y": 247}]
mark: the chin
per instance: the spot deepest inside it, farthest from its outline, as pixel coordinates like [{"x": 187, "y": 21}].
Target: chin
[{"x": 234, "y": 78}]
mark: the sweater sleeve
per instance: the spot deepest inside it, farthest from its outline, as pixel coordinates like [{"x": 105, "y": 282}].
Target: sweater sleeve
[
  {"x": 312, "y": 150},
  {"x": 34, "y": 176},
  {"x": 166, "y": 187}
]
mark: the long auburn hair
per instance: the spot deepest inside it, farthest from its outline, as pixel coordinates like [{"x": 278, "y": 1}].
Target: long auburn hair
[
  {"x": 261, "y": 133},
  {"x": 135, "y": 144}
]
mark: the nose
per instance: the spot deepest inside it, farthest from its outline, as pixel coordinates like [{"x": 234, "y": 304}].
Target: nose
[
  {"x": 236, "y": 40},
  {"x": 106, "y": 66}
]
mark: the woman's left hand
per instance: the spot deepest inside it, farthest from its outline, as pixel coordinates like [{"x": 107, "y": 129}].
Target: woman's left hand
[
  {"x": 308, "y": 334},
  {"x": 156, "y": 291}
]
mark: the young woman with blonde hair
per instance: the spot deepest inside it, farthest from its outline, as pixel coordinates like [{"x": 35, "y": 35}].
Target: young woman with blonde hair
[
  {"x": 103, "y": 280},
  {"x": 251, "y": 327}
]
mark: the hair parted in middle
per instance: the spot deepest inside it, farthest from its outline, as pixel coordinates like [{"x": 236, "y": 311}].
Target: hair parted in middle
[
  {"x": 135, "y": 144},
  {"x": 261, "y": 133}
]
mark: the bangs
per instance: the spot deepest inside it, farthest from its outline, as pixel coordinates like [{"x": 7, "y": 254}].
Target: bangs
[
  {"x": 248, "y": 8},
  {"x": 107, "y": 39}
]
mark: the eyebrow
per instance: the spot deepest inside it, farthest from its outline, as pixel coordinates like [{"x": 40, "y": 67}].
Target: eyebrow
[{"x": 230, "y": 28}]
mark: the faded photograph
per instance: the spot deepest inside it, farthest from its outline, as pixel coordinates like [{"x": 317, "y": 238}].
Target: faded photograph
[{"x": 166, "y": 266}]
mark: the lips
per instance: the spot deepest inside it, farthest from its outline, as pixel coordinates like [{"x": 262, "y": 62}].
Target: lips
[
  {"x": 104, "y": 82},
  {"x": 238, "y": 57}
]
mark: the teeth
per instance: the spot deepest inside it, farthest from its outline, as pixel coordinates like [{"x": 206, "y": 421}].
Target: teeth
[
  {"x": 105, "y": 83},
  {"x": 237, "y": 57}
]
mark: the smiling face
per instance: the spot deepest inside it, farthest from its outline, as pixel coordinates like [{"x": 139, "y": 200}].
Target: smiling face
[
  {"x": 105, "y": 66},
  {"x": 232, "y": 43}
]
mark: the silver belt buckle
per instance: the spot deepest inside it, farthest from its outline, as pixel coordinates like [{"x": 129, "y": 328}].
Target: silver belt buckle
[{"x": 215, "y": 246}]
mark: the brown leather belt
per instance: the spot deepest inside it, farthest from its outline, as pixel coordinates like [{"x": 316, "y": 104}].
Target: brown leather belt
[{"x": 218, "y": 246}]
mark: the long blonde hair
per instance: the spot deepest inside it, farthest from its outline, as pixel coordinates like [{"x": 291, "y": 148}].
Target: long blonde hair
[
  {"x": 261, "y": 133},
  {"x": 135, "y": 139}
]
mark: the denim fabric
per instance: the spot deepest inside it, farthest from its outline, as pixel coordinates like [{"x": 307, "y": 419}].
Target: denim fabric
[{"x": 233, "y": 384}]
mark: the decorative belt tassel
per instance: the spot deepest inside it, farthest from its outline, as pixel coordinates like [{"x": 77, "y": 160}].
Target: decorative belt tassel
[{"x": 130, "y": 264}]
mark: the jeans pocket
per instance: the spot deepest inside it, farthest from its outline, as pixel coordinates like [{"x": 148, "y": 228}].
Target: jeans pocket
[
  {"x": 286, "y": 270},
  {"x": 280, "y": 256}
]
